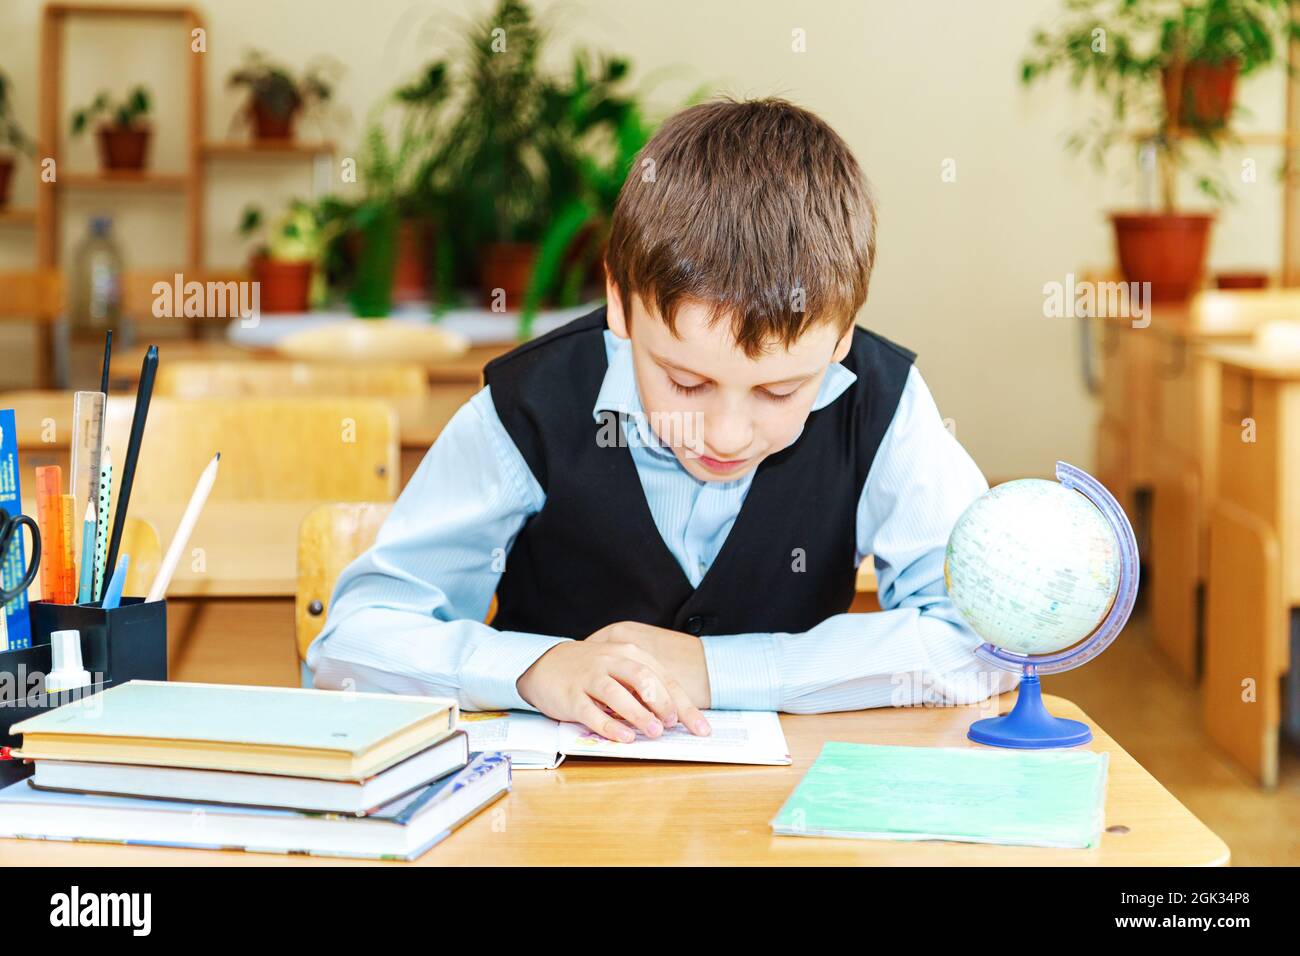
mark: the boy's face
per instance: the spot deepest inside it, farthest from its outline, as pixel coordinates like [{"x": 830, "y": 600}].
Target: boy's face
[{"x": 721, "y": 411}]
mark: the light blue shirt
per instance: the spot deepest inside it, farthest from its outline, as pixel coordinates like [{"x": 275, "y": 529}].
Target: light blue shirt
[{"x": 407, "y": 616}]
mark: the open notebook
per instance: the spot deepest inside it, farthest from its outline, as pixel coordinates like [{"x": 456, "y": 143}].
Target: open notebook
[{"x": 536, "y": 742}]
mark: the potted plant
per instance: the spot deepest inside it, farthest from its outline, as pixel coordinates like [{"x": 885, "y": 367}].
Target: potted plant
[
  {"x": 124, "y": 140},
  {"x": 12, "y": 137},
  {"x": 497, "y": 197},
  {"x": 276, "y": 96},
  {"x": 284, "y": 266},
  {"x": 1172, "y": 66},
  {"x": 406, "y": 177},
  {"x": 592, "y": 134}
]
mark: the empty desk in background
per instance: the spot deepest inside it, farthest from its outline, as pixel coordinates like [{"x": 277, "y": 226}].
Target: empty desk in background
[
  {"x": 1253, "y": 580},
  {"x": 623, "y": 812}
]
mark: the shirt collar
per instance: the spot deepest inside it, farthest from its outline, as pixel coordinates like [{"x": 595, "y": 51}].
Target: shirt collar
[{"x": 618, "y": 391}]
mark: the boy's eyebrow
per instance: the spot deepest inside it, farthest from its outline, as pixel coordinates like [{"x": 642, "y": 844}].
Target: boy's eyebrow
[{"x": 678, "y": 368}]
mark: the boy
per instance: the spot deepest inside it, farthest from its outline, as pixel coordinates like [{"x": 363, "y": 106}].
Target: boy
[{"x": 669, "y": 497}]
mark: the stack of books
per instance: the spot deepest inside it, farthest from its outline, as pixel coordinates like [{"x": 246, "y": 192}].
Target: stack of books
[{"x": 262, "y": 769}]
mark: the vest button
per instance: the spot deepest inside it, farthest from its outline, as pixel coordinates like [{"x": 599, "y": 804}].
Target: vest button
[{"x": 695, "y": 624}]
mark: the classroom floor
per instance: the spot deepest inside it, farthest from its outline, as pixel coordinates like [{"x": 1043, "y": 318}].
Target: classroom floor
[{"x": 1148, "y": 709}]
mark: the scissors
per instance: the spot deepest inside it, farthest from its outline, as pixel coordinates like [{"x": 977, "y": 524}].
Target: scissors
[{"x": 9, "y": 526}]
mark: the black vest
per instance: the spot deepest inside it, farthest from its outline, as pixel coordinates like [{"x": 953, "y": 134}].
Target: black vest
[{"x": 593, "y": 555}]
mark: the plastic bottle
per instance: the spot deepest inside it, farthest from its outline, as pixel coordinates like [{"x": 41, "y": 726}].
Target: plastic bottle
[{"x": 96, "y": 283}]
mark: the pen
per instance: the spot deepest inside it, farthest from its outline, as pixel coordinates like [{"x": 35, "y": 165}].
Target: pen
[{"x": 148, "y": 369}]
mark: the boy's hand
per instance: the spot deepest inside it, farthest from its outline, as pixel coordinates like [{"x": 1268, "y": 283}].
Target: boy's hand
[
  {"x": 681, "y": 655},
  {"x": 596, "y": 682}
]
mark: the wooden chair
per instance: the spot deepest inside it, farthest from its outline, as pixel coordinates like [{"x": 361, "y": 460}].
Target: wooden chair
[
  {"x": 34, "y": 296},
  {"x": 270, "y": 379},
  {"x": 331, "y": 536},
  {"x": 272, "y": 449}
]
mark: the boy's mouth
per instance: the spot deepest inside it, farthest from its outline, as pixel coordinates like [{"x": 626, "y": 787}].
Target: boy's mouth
[{"x": 721, "y": 467}]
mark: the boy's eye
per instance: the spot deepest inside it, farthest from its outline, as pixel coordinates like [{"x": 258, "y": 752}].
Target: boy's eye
[
  {"x": 774, "y": 397},
  {"x": 684, "y": 389}
]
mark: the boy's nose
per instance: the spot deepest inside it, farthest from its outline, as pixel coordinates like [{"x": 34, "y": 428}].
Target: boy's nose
[{"x": 727, "y": 436}]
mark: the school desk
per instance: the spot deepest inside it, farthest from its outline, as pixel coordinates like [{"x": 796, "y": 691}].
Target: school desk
[
  {"x": 45, "y": 422},
  {"x": 1252, "y": 627},
  {"x": 609, "y": 813}
]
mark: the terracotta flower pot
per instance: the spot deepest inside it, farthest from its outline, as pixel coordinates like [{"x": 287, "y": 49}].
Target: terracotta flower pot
[
  {"x": 1206, "y": 97},
  {"x": 268, "y": 124},
  {"x": 124, "y": 147},
  {"x": 283, "y": 286},
  {"x": 6, "y": 173},
  {"x": 1241, "y": 280},
  {"x": 1166, "y": 250},
  {"x": 507, "y": 266},
  {"x": 411, "y": 272}
]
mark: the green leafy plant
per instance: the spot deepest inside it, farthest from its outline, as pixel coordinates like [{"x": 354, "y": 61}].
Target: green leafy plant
[
  {"x": 125, "y": 113},
  {"x": 592, "y": 134},
  {"x": 300, "y": 234},
  {"x": 11, "y": 134},
  {"x": 275, "y": 88},
  {"x": 1133, "y": 55}
]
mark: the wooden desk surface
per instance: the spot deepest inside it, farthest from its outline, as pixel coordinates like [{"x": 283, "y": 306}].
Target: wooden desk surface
[{"x": 594, "y": 812}]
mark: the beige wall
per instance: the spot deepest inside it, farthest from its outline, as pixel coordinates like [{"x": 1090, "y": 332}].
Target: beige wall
[{"x": 961, "y": 264}]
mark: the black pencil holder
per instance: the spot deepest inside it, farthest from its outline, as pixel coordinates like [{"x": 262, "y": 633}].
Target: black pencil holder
[{"x": 126, "y": 643}]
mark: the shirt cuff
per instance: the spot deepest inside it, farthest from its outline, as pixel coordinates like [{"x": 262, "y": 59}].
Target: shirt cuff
[
  {"x": 492, "y": 671},
  {"x": 743, "y": 673}
]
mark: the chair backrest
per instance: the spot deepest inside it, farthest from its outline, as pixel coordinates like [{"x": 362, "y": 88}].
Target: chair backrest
[
  {"x": 272, "y": 449},
  {"x": 270, "y": 379},
  {"x": 330, "y": 537},
  {"x": 30, "y": 293}
]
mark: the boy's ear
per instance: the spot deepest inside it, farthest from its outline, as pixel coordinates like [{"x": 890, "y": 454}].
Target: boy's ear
[
  {"x": 614, "y": 313},
  {"x": 843, "y": 345}
]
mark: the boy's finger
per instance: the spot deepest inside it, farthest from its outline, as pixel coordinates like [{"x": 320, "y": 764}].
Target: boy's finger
[
  {"x": 598, "y": 722},
  {"x": 650, "y": 687},
  {"x": 691, "y": 717},
  {"x": 608, "y": 690}
]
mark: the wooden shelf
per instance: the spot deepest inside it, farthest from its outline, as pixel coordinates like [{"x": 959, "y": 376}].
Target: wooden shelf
[
  {"x": 275, "y": 149},
  {"x": 1230, "y": 137},
  {"x": 125, "y": 179},
  {"x": 17, "y": 217}
]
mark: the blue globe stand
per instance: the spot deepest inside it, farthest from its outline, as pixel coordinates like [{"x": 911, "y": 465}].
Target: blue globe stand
[{"x": 1029, "y": 726}]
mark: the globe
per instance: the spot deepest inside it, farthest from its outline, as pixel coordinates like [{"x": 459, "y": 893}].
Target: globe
[
  {"x": 1032, "y": 566},
  {"x": 1045, "y": 573}
]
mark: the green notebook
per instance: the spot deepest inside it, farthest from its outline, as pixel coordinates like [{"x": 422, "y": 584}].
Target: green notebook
[{"x": 1023, "y": 798}]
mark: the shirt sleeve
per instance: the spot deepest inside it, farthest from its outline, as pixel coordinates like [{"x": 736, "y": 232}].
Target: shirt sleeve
[
  {"x": 407, "y": 615},
  {"x": 916, "y": 650}
]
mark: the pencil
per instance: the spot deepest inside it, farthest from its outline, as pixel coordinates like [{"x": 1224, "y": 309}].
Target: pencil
[
  {"x": 183, "y": 531},
  {"x": 101, "y": 527},
  {"x": 86, "y": 588}
]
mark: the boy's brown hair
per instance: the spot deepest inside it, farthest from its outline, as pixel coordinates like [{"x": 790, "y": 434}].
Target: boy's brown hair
[{"x": 755, "y": 208}]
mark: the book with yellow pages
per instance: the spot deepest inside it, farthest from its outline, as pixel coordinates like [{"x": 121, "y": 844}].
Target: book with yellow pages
[{"x": 330, "y": 735}]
